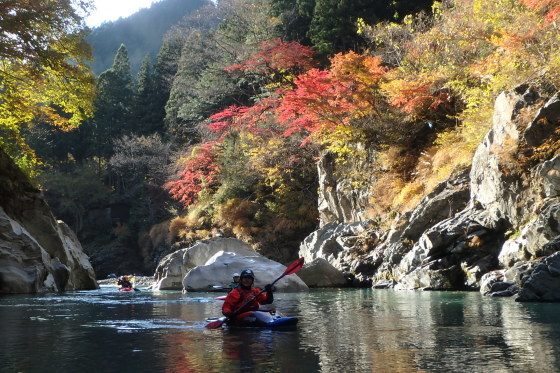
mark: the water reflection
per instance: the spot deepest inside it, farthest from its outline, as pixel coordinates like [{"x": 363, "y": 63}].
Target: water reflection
[
  {"x": 401, "y": 331},
  {"x": 264, "y": 350},
  {"x": 353, "y": 330}
]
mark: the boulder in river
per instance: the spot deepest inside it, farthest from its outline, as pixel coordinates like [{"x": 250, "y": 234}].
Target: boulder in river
[
  {"x": 219, "y": 269},
  {"x": 175, "y": 266}
]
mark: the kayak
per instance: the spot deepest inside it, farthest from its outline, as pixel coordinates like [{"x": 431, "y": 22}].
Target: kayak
[
  {"x": 221, "y": 297},
  {"x": 264, "y": 319},
  {"x": 126, "y": 289},
  {"x": 260, "y": 319}
]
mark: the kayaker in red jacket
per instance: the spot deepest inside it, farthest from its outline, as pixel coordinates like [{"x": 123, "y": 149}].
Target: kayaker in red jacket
[
  {"x": 124, "y": 282},
  {"x": 243, "y": 293}
]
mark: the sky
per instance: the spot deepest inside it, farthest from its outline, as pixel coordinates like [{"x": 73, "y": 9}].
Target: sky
[{"x": 111, "y": 10}]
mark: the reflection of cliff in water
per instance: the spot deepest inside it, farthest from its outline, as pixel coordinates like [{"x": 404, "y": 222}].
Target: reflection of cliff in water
[
  {"x": 527, "y": 329},
  {"x": 401, "y": 331}
]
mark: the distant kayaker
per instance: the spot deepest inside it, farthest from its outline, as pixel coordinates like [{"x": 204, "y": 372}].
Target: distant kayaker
[
  {"x": 124, "y": 282},
  {"x": 246, "y": 293},
  {"x": 235, "y": 283}
]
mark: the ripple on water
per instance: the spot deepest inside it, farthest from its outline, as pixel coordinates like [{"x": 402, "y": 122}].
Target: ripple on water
[{"x": 145, "y": 324}]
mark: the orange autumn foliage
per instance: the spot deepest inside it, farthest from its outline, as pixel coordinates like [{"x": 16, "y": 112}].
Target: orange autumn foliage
[{"x": 325, "y": 99}]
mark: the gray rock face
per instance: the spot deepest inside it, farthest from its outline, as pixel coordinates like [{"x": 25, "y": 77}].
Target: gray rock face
[
  {"x": 549, "y": 173},
  {"x": 445, "y": 201},
  {"x": 331, "y": 243},
  {"x": 321, "y": 274},
  {"x": 513, "y": 251},
  {"x": 447, "y": 256},
  {"x": 544, "y": 229},
  {"x": 491, "y": 183},
  {"x": 545, "y": 122},
  {"x": 453, "y": 254},
  {"x": 81, "y": 270},
  {"x": 27, "y": 267},
  {"x": 543, "y": 285},
  {"x": 338, "y": 200},
  {"x": 37, "y": 253}
]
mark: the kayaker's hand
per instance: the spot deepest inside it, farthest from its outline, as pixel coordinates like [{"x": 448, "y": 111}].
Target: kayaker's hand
[
  {"x": 268, "y": 288},
  {"x": 229, "y": 315}
]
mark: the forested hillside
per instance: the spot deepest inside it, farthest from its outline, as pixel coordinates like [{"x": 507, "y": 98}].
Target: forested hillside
[
  {"x": 223, "y": 131},
  {"x": 142, "y": 33}
]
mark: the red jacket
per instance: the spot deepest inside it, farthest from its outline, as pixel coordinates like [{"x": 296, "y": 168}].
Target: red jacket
[{"x": 238, "y": 296}]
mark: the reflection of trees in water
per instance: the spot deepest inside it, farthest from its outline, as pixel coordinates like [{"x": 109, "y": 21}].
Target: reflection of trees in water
[{"x": 402, "y": 331}]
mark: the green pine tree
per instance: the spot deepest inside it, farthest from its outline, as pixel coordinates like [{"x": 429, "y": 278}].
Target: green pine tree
[
  {"x": 330, "y": 25},
  {"x": 147, "y": 112},
  {"x": 115, "y": 98}
]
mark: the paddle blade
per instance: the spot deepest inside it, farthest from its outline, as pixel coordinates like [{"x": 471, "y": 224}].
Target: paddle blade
[
  {"x": 215, "y": 324},
  {"x": 294, "y": 267}
]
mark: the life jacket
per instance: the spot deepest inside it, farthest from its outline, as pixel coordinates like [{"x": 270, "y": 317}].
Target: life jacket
[
  {"x": 238, "y": 296},
  {"x": 124, "y": 283}
]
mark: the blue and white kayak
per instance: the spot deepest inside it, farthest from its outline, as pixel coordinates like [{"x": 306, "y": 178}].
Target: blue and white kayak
[{"x": 260, "y": 319}]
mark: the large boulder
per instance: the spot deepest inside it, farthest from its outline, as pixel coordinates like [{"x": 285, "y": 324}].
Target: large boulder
[
  {"x": 218, "y": 272},
  {"x": 321, "y": 274},
  {"x": 175, "y": 266}
]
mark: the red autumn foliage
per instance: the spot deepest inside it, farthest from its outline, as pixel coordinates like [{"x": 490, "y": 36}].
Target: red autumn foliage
[
  {"x": 222, "y": 121},
  {"x": 314, "y": 103},
  {"x": 277, "y": 56},
  {"x": 551, "y": 8},
  {"x": 200, "y": 172},
  {"x": 255, "y": 119},
  {"x": 324, "y": 99}
]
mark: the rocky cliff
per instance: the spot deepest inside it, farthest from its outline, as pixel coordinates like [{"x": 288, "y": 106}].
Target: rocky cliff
[
  {"x": 37, "y": 252},
  {"x": 492, "y": 228}
]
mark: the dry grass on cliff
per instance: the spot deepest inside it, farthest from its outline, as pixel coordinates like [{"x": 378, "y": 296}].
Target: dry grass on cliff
[
  {"x": 394, "y": 193},
  {"x": 159, "y": 233},
  {"x": 239, "y": 216},
  {"x": 188, "y": 229}
]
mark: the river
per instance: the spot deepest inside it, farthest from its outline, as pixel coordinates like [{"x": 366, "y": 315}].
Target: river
[{"x": 350, "y": 330}]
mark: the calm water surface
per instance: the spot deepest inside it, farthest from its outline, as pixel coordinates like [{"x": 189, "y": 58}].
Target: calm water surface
[{"x": 354, "y": 330}]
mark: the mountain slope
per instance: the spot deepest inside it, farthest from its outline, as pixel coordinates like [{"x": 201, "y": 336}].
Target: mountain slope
[{"x": 141, "y": 33}]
